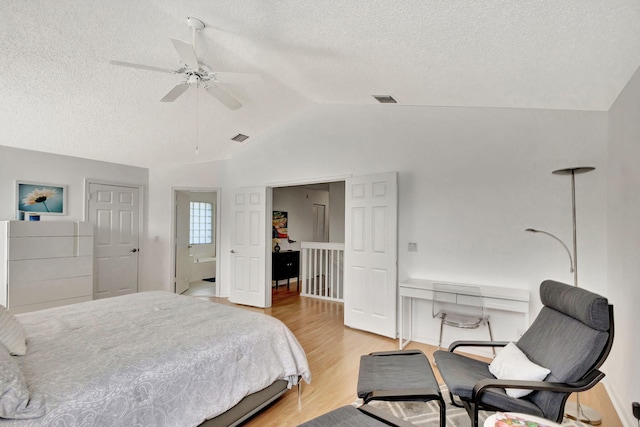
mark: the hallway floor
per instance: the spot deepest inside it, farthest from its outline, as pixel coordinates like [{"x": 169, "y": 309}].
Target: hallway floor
[{"x": 201, "y": 288}]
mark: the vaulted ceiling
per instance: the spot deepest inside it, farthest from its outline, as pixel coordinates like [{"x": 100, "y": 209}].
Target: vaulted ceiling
[{"x": 60, "y": 94}]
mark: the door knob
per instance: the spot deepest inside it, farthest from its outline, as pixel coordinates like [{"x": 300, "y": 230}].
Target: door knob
[
  {"x": 232, "y": 251},
  {"x": 133, "y": 250}
]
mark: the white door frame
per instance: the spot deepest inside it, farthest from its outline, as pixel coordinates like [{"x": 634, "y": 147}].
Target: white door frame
[
  {"x": 174, "y": 190},
  {"x": 291, "y": 183},
  {"x": 269, "y": 208},
  {"x": 183, "y": 246},
  {"x": 141, "y": 223}
]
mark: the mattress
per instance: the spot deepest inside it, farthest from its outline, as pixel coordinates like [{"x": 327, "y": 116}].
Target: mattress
[{"x": 151, "y": 359}]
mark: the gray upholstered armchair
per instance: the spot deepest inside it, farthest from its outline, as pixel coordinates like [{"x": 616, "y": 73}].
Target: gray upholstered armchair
[{"x": 572, "y": 337}]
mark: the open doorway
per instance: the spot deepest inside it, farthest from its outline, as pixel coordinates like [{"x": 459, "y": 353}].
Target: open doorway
[
  {"x": 196, "y": 242},
  {"x": 310, "y": 213},
  {"x": 367, "y": 265}
]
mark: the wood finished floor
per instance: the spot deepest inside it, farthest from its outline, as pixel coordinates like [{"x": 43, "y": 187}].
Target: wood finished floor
[{"x": 334, "y": 350}]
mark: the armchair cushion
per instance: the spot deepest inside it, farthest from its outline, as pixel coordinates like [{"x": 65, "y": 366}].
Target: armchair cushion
[
  {"x": 461, "y": 373},
  {"x": 563, "y": 344},
  {"x": 591, "y": 309},
  {"x": 512, "y": 364}
]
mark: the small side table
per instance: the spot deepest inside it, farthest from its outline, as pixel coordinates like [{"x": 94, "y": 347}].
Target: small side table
[
  {"x": 285, "y": 265},
  {"x": 491, "y": 421}
]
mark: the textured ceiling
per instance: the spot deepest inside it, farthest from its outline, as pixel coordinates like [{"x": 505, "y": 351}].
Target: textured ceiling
[{"x": 58, "y": 92}]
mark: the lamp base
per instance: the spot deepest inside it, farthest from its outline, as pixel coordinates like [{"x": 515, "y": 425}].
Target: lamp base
[{"x": 584, "y": 415}]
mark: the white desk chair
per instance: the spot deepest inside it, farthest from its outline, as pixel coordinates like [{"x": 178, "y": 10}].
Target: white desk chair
[{"x": 461, "y": 311}]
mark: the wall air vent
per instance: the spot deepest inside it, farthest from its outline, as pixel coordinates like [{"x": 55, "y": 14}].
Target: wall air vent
[
  {"x": 385, "y": 99},
  {"x": 240, "y": 138}
]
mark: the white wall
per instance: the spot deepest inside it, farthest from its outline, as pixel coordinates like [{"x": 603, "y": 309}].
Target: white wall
[
  {"x": 623, "y": 229},
  {"x": 298, "y": 203},
  {"x": 470, "y": 181},
  {"x": 158, "y": 259},
  {"x": 36, "y": 166}
]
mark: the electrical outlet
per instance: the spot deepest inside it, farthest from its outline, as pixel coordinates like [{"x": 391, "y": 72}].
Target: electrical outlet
[
  {"x": 413, "y": 247},
  {"x": 636, "y": 410}
]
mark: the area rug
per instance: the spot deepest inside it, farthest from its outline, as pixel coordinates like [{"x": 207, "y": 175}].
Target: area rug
[{"x": 428, "y": 413}]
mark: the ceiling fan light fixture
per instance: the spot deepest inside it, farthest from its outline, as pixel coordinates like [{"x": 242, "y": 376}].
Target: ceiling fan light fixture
[
  {"x": 195, "y": 23},
  {"x": 240, "y": 138},
  {"x": 385, "y": 99}
]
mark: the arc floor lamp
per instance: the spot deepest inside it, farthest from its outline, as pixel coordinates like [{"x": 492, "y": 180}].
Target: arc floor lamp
[{"x": 575, "y": 410}]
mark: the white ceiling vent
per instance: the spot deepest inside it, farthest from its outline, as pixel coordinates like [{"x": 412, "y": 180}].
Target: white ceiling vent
[
  {"x": 385, "y": 99},
  {"x": 240, "y": 138}
]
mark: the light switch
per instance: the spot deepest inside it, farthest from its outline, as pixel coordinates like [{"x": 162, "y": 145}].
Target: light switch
[{"x": 413, "y": 247}]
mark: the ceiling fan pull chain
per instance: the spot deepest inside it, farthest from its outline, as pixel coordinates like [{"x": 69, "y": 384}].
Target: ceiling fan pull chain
[
  {"x": 197, "y": 109},
  {"x": 193, "y": 39}
]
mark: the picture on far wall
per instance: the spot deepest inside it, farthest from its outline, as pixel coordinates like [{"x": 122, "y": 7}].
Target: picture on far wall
[
  {"x": 47, "y": 199},
  {"x": 280, "y": 225}
]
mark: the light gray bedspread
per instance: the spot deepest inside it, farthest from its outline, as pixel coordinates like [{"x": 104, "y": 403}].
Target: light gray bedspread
[{"x": 151, "y": 359}]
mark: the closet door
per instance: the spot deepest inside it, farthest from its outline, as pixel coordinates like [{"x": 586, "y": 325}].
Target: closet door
[{"x": 115, "y": 213}]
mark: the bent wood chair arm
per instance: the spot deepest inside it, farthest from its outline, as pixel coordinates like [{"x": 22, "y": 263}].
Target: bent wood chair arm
[
  {"x": 396, "y": 353},
  {"x": 384, "y": 417},
  {"x": 591, "y": 379},
  {"x": 588, "y": 381},
  {"x": 457, "y": 344}
]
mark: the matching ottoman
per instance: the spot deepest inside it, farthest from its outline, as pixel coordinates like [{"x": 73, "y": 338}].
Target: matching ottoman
[{"x": 404, "y": 375}]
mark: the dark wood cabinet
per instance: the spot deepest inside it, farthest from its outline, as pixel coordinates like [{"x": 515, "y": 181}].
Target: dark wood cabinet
[{"x": 285, "y": 265}]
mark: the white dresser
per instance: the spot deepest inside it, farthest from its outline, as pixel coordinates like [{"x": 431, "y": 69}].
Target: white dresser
[{"x": 45, "y": 264}]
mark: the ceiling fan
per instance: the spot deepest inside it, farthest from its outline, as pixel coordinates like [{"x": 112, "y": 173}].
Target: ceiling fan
[{"x": 193, "y": 72}]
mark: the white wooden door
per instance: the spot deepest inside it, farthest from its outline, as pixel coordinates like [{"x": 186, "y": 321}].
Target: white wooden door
[
  {"x": 183, "y": 260},
  {"x": 370, "y": 259},
  {"x": 249, "y": 248},
  {"x": 115, "y": 213}
]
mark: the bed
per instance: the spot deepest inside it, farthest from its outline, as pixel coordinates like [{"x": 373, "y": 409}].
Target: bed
[{"x": 152, "y": 359}]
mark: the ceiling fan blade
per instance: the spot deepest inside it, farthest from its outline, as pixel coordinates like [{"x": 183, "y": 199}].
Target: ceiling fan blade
[
  {"x": 143, "y": 67},
  {"x": 224, "y": 97},
  {"x": 238, "y": 78},
  {"x": 186, "y": 52},
  {"x": 174, "y": 93}
]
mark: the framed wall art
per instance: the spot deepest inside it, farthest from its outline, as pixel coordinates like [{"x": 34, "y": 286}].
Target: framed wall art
[
  {"x": 280, "y": 225},
  {"x": 46, "y": 199}
]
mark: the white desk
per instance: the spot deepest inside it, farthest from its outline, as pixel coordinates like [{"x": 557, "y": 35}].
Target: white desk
[{"x": 493, "y": 297}]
